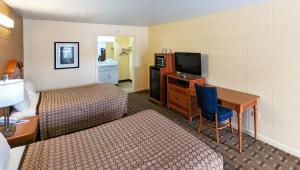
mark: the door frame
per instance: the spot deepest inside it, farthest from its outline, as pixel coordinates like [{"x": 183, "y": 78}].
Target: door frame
[{"x": 133, "y": 55}]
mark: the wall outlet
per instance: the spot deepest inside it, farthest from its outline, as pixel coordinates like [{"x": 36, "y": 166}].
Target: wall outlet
[{"x": 252, "y": 114}]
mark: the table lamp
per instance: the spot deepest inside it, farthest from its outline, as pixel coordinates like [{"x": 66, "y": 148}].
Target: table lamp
[{"x": 11, "y": 93}]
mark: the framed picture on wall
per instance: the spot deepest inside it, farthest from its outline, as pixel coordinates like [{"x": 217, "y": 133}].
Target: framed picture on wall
[{"x": 66, "y": 55}]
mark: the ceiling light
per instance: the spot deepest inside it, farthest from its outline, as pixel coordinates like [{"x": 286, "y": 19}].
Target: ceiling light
[{"x": 6, "y": 22}]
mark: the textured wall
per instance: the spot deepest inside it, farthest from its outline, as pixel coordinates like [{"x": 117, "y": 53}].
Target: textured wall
[
  {"x": 253, "y": 49},
  {"x": 11, "y": 40}
]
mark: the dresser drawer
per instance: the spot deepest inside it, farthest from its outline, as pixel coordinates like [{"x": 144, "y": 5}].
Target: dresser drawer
[
  {"x": 181, "y": 90},
  {"x": 178, "y": 99}
]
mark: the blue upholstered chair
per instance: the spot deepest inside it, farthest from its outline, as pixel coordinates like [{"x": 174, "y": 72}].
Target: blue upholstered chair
[{"x": 212, "y": 114}]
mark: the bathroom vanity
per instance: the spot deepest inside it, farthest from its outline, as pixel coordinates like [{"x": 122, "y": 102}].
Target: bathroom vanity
[{"x": 108, "y": 71}]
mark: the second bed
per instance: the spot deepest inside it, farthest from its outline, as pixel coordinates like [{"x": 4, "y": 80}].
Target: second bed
[{"x": 146, "y": 140}]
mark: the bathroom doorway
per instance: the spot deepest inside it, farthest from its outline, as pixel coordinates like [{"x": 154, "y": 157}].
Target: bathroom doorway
[{"x": 115, "y": 61}]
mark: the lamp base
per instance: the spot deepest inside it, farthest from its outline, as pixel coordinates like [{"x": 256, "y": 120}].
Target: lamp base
[{"x": 8, "y": 131}]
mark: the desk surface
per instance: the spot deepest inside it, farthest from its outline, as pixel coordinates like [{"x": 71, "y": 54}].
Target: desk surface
[
  {"x": 236, "y": 97},
  {"x": 232, "y": 96}
]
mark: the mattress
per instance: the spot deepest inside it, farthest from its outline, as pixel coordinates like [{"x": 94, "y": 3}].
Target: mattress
[
  {"x": 69, "y": 110},
  {"x": 146, "y": 140}
]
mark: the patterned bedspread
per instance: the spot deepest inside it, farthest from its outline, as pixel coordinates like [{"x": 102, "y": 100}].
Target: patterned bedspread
[
  {"x": 69, "y": 110},
  {"x": 146, "y": 140}
]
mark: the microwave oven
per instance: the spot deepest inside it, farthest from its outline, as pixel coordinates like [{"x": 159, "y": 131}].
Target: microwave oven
[{"x": 161, "y": 62}]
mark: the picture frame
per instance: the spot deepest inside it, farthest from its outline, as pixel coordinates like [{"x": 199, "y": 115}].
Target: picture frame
[{"x": 66, "y": 55}]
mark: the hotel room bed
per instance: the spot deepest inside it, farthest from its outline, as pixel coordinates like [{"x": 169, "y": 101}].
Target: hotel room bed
[
  {"x": 73, "y": 109},
  {"x": 68, "y": 110},
  {"x": 146, "y": 140}
]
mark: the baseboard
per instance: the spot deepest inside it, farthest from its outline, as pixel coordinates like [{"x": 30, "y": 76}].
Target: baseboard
[
  {"x": 141, "y": 89},
  {"x": 126, "y": 80},
  {"x": 272, "y": 142}
]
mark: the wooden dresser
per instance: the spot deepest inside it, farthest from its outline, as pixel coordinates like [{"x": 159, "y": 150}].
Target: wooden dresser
[{"x": 179, "y": 90}]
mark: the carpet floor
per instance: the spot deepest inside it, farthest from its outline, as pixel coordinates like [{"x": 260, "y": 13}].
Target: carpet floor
[{"x": 256, "y": 154}]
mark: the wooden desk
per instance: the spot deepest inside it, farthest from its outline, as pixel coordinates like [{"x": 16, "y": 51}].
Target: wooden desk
[
  {"x": 25, "y": 133},
  {"x": 239, "y": 102}
]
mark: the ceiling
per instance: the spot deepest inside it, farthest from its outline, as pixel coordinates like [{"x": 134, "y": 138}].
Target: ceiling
[{"x": 122, "y": 12}]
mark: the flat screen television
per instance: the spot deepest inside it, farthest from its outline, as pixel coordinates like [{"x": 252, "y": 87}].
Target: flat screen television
[{"x": 188, "y": 63}]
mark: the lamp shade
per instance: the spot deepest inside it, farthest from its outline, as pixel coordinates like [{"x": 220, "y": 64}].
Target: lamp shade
[{"x": 11, "y": 92}]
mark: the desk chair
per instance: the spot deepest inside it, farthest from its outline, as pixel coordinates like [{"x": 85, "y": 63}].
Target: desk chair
[{"x": 212, "y": 114}]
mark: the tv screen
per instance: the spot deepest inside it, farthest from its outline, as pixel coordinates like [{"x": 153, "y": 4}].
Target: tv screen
[{"x": 188, "y": 63}]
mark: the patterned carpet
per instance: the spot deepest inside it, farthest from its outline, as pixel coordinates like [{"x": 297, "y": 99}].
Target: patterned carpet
[{"x": 256, "y": 155}]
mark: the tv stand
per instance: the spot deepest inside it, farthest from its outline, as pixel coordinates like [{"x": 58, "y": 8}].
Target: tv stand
[
  {"x": 187, "y": 75},
  {"x": 179, "y": 98}
]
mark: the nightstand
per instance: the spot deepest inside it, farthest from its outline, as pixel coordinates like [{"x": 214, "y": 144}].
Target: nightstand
[{"x": 25, "y": 133}]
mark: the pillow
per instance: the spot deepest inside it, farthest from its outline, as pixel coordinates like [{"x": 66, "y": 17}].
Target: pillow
[
  {"x": 23, "y": 105},
  {"x": 29, "y": 87},
  {"x": 4, "y": 154},
  {"x": 31, "y": 111}
]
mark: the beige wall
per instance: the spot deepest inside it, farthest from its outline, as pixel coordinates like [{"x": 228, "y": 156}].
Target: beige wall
[
  {"x": 123, "y": 60},
  {"x": 11, "y": 40},
  {"x": 110, "y": 50},
  {"x": 253, "y": 49},
  {"x": 39, "y": 37}
]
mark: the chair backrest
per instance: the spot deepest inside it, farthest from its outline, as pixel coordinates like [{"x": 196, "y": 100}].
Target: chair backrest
[{"x": 207, "y": 98}]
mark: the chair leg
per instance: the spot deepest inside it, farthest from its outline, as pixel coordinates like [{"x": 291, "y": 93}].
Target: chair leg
[
  {"x": 232, "y": 132},
  {"x": 217, "y": 128},
  {"x": 200, "y": 123}
]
